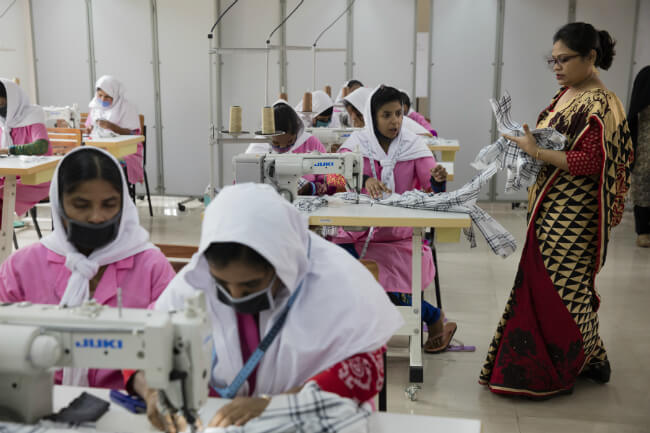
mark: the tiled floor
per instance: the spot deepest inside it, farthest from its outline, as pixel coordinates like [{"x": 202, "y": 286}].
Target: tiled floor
[{"x": 475, "y": 285}]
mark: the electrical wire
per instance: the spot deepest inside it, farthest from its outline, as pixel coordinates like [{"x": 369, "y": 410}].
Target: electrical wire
[
  {"x": 7, "y": 9},
  {"x": 268, "y": 40},
  {"x": 222, "y": 14},
  {"x": 334, "y": 22}
]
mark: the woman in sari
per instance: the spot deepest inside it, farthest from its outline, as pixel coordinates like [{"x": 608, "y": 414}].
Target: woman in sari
[{"x": 548, "y": 334}]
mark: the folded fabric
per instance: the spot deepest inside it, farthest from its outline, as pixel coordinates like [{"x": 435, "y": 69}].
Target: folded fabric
[
  {"x": 83, "y": 409},
  {"x": 312, "y": 410},
  {"x": 522, "y": 169}
]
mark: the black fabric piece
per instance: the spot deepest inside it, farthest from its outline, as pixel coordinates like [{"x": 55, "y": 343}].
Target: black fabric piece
[
  {"x": 365, "y": 178},
  {"x": 83, "y": 409},
  {"x": 438, "y": 187},
  {"x": 639, "y": 99},
  {"x": 642, "y": 220}
]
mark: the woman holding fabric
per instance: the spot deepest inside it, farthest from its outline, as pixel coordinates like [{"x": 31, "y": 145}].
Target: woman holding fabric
[
  {"x": 22, "y": 132},
  {"x": 395, "y": 159},
  {"x": 639, "y": 118},
  {"x": 271, "y": 282},
  {"x": 548, "y": 334},
  {"x": 111, "y": 113},
  {"x": 97, "y": 246}
]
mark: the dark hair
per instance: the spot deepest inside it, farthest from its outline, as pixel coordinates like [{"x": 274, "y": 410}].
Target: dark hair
[
  {"x": 3, "y": 90},
  {"x": 85, "y": 165},
  {"x": 382, "y": 96},
  {"x": 639, "y": 100},
  {"x": 221, "y": 254},
  {"x": 406, "y": 100},
  {"x": 326, "y": 113},
  {"x": 286, "y": 119},
  {"x": 354, "y": 83},
  {"x": 583, "y": 37},
  {"x": 348, "y": 104}
]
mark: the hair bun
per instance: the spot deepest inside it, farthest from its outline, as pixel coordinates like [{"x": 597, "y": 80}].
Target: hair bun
[{"x": 607, "y": 51}]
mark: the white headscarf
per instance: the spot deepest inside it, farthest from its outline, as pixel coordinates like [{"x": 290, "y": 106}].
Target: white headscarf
[
  {"x": 405, "y": 147},
  {"x": 340, "y": 311},
  {"x": 358, "y": 98},
  {"x": 19, "y": 112},
  {"x": 121, "y": 112},
  {"x": 320, "y": 102},
  {"x": 301, "y": 135}
]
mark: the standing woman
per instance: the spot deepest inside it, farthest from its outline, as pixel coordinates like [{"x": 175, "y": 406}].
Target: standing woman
[
  {"x": 22, "y": 132},
  {"x": 639, "y": 118},
  {"x": 548, "y": 334},
  {"x": 110, "y": 111}
]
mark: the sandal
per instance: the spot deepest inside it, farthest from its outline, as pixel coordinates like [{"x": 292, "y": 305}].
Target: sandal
[
  {"x": 460, "y": 347},
  {"x": 447, "y": 334}
]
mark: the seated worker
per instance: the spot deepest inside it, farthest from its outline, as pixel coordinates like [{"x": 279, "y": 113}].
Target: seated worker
[
  {"x": 256, "y": 259},
  {"x": 323, "y": 109},
  {"x": 351, "y": 85},
  {"x": 414, "y": 115},
  {"x": 396, "y": 160},
  {"x": 111, "y": 113},
  {"x": 97, "y": 246},
  {"x": 294, "y": 140},
  {"x": 355, "y": 103},
  {"x": 22, "y": 132}
]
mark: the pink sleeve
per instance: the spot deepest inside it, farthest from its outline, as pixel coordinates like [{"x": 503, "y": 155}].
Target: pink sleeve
[
  {"x": 423, "y": 168},
  {"x": 89, "y": 121},
  {"x": 10, "y": 287},
  {"x": 420, "y": 119},
  {"x": 38, "y": 131},
  {"x": 161, "y": 275}
]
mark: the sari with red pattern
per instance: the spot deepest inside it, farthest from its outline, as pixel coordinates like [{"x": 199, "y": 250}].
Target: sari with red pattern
[{"x": 548, "y": 334}]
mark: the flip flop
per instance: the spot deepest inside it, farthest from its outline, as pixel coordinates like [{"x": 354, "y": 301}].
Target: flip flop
[
  {"x": 448, "y": 334},
  {"x": 460, "y": 347}
]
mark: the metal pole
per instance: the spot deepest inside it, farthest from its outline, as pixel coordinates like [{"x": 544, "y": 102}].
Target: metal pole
[
  {"x": 34, "y": 59},
  {"x": 572, "y": 10},
  {"x": 635, "y": 30},
  {"x": 155, "y": 61},
  {"x": 415, "y": 54},
  {"x": 349, "y": 39},
  {"x": 283, "y": 48},
  {"x": 430, "y": 62},
  {"x": 313, "y": 68},
  {"x": 496, "y": 84},
  {"x": 91, "y": 47},
  {"x": 215, "y": 106},
  {"x": 266, "y": 78}
]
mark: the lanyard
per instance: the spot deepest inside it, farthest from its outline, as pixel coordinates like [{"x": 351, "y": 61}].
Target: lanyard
[{"x": 231, "y": 390}]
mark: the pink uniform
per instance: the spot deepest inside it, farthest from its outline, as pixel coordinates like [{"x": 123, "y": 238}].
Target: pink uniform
[
  {"x": 134, "y": 162},
  {"x": 390, "y": 247},
  {"x": 39, "y": 275},
  {"x": 414, "y": 115},
  {"x": 28, "y": 195}
]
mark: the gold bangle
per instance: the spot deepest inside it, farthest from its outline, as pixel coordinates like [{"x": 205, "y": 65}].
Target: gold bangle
[{"x": 539, "y": 149}]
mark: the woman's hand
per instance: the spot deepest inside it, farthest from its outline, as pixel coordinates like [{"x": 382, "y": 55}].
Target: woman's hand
[
  {"x": 376, "y": 188},
  {"x": 106, "y": 124},
  {"x": 439, "y": 173},
  {"x": 527, "y": 143},
  {"x": 321, "y": 189},
  {"x": 239, "y": 411},
  {"x": 167, "y": 422}
]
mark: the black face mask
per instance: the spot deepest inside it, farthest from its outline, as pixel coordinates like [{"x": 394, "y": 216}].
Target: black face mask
[
  {"x": 251, "y": 304},
  {"x": 3, "y": 112},
  {"x": 87, "y": 236}
]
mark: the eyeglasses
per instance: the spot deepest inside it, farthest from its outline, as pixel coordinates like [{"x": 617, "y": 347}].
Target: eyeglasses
[{"x": 560, "y": 60}]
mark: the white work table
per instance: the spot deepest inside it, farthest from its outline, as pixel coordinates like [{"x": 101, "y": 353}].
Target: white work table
[
  {"x": 119, "y": 420},
  {"x": 119, "y": 146},
  {"x": 447, "y": 225},
  {"x": 33, "y": 170},
  {"x": 446, "y": 147}
]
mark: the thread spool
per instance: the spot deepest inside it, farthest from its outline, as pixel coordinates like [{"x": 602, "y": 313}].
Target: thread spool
[
  {"x": 328, "y": 90},
  {"x": 268, "y": 121},
  {"x": 235, "y": 118},
  {"x": 16, "y": 81},
  {"x": 306, "y": 102},
  {"x": 345, "y": 91},
  {"x": 284, "y": 96}
]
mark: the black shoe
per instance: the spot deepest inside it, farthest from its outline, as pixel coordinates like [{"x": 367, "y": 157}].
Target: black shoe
[{"x": 598, "y": 371}]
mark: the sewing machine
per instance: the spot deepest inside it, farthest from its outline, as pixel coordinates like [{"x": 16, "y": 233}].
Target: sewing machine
[
  {"x": 332, "y": 136},
  {"x": 173, "y": 349},
  {"x": 283, "y": 171},
  {"x": 62, "y": 117}
]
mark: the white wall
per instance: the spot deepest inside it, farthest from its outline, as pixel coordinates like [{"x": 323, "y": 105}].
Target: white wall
[
  {"x": 642, "y": 54},
  {"x": 16, "y": 45},
  {"x": 462, "y": 75}
]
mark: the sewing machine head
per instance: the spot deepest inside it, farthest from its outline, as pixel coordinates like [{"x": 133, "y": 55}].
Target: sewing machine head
[
  {"x": 172, "y": 349},
  {"x": 283, "y": 171},
  {"x": 332, "y": 136}
]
